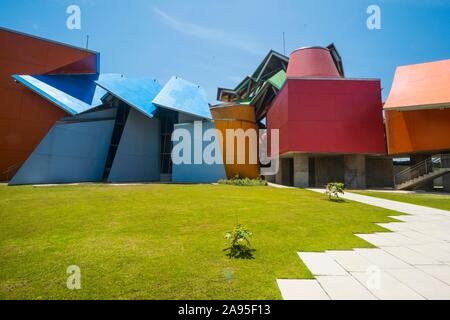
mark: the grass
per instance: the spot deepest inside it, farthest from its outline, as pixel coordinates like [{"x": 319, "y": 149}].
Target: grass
[
  {"x": 166, "y": 241},
  {"x": 428, "y": 200},
  {"x": 245, "y": 182}
]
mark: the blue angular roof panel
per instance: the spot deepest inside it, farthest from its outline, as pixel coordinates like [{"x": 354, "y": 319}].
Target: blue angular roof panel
[
  {"x": 136, "y": 92},
  {"x": 73, "y": 93},
  {"x": 183, "y": 96}
]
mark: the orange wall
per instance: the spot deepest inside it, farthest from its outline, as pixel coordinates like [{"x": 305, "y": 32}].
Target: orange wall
[
  {"x": 236, "y": 117},
  {"x": 25, "y": 117},
  {"x": 417, "y": 131}
]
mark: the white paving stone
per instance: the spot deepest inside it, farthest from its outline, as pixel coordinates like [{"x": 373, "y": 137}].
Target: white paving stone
[
  {"x": 424, "y": 284},
  {"x": 433, "y": 250},
  {"x": 404, "y": 218},
  {"x": 411, "y": 263},
  {"x": 301, "y": 290},
  {"x": 321, "y": 264},
  {"x": 441, "y": 272},
  {"x": 385, "y": 287},
  {"x": 419, "y": 237},
  {"x": 391, "y": 205},
  {"x": 424, "y": 227},
  {"x": 350, "y": 260},
  {"x": 397, "y": 239},
  {"x": 394, "y": 226},
  {"x": 376, "y": 240},
  {"x": 382, "y": 259},
  {"x": 409, "y": 256},
  {"x": 344, "y": 288}
]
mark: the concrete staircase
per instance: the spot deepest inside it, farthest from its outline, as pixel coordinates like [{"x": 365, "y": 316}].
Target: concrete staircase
[
  {"x": 411, "y": 184},
  {"x": 422, "y": 173}
]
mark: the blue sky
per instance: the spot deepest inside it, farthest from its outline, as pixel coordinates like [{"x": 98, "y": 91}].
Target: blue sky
[{"x": 217, "y": 43}]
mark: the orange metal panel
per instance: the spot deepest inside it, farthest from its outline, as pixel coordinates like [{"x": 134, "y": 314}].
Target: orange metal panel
[
  {"x": 237, "y": 117},
  {"x": 418, "y": 131},
  {"x": 234, "y": 112},
  {"x": 420, "y": 86},
  {"x": 25, "y": 117}
]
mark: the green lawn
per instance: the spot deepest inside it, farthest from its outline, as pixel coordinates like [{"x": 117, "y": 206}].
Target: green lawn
[
  {"x": 166, "y": 241},
  {"x": 429, "y": 200}
]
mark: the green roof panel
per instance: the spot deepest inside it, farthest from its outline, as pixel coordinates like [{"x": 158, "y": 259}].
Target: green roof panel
[{"x": 278, "y": 79}]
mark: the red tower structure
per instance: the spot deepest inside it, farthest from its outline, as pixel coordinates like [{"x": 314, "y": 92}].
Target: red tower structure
[{"x": 331, "y": 127}]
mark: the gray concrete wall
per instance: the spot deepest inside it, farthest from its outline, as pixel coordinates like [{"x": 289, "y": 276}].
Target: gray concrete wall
[
  {"x": 301, "y": 170},
  {"x": 285, "y": 174},
  {"x": 355, "y": 171},
  {"x": 380, "y": 172},
  {"x": 138, "y": 158},
  {"x": 446, "y": 178},
  {"x": 329, "y": 169}
]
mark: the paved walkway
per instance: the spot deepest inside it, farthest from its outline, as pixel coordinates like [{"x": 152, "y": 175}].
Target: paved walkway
[{"x": 411, "y": 262}]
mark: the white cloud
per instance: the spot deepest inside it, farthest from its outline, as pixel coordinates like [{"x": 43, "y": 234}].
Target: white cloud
[{"x": 218, "y": 36}]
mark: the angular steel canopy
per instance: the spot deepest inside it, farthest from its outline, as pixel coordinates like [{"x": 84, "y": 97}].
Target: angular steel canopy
[
  {"x": 183, "y": 96},
  {"x": 73, "y": 93},
  {"x": 136, "y": 92}
]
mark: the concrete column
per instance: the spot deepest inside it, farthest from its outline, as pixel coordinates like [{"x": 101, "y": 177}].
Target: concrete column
[
  {"x": 446, "y": 178},
  {"x": 355, "y": 171},
  {"x": 279, "y": 175},
  {"x": 301, "y": 170}
]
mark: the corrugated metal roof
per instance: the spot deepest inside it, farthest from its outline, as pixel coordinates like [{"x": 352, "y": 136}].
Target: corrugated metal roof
[
  {"x": 183, "y": 96},
  {"x": 73, "y": 93},
  {"x": 136, "y": 92}
]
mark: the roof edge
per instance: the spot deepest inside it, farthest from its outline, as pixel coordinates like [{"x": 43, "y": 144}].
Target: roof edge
[
  {"x": 47, "y": 40},
  {"x": 342, "y": 79},
  {"x": 434, "y": 106},
  {"x": 22, "y": 81}
]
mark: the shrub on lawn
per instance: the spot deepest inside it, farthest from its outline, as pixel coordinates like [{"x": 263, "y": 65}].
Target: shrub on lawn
[
  {"x": 238, "y": 181},
  {"x": 240, "y": 247},
  {"x": 333, "y": 190}
]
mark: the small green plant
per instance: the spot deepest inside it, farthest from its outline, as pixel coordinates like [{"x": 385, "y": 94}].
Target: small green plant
[
  {"x": 333, "y": 190},
  {"x": 238, "y": 181},
  {"x": 240, "y": 247}
]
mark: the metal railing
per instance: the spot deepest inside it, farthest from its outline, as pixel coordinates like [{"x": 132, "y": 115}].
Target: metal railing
[{"x": 422, "y": 168}]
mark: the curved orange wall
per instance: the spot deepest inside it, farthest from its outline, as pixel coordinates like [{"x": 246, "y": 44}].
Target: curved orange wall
[
  {"x": 236, "y": 117},
  {"x": 417, "y": 131}
]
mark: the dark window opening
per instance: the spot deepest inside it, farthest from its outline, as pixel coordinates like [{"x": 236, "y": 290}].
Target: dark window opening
[
  {"x": 168, "y": 119},
  {"x": 121, "y": 118}
]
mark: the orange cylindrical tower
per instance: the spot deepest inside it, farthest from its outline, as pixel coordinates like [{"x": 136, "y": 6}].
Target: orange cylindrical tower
[{"x": 236, "y": 117}]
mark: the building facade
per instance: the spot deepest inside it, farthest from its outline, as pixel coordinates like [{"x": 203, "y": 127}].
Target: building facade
[
  {"x": 418, "y": 124},
  {"x": 331, "y": 127},
  {"x": 63, "y": 121}
]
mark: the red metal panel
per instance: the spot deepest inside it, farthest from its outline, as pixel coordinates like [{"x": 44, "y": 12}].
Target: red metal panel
[
  {"x": 25, "y": 117},
  {"x": 329, "y": 116},
  {"x": 277, "y": 118},
  {"x": 312, "y": 62}
]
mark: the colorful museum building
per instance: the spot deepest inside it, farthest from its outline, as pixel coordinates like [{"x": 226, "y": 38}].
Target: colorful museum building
[{"x": 64, "y": 121}]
